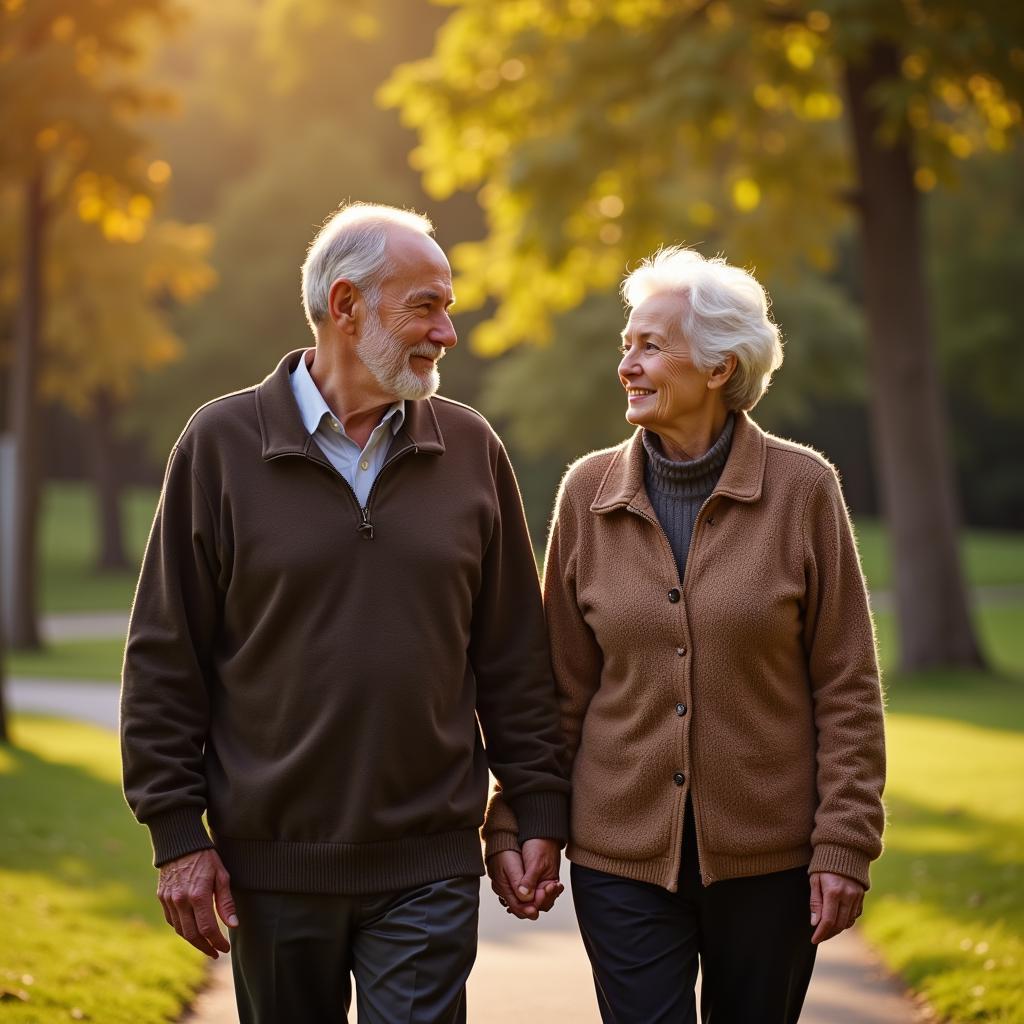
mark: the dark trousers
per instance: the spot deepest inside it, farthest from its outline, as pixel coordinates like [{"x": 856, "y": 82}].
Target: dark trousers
[
  {"x": 410, "y": 952},
  {"x": 752, "y": 936}
]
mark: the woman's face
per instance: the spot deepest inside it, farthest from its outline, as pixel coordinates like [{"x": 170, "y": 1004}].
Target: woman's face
[{"x": 663, "y": 387}]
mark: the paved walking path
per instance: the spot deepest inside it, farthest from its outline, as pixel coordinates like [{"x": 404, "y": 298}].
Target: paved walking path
[{"x": 527, "y": 972}]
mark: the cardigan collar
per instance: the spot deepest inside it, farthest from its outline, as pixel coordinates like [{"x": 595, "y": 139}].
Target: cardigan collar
[
  {"x": 284, "y": 433},
  {"x": 741, "y": 479}
]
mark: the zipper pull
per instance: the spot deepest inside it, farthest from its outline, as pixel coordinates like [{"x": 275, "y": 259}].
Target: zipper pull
[{"x": 365, "y": 526}]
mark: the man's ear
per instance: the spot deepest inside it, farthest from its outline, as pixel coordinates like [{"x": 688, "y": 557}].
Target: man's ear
[
  {"x": 723, "y": 371},
  {"x": 342, "y": 300}
]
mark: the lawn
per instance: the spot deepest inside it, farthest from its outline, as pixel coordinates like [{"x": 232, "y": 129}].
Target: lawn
[
  {"x": 92, "y": 659},
  {"x": 992, "y": 558},
  {"x": 83, "y": 937},
  {"x": 947, "y": 905},
  {"x": 69, "y": 549},
  {"x": 946, "y": 908}
]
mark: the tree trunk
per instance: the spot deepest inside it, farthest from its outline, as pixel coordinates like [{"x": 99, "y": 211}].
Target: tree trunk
[
  {"x": 908, "y": 415},
  {"x": 108, "y": 485},
  {"x": 26, "y": 422}
]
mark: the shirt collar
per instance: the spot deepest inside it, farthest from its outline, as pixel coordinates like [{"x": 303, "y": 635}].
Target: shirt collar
[
  {"x": 313, "y": 406},
  {"x": 741, "y": 479}
]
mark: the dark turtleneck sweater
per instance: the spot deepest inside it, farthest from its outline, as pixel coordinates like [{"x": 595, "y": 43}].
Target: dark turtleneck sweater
[{"x": 678, "y": 489}]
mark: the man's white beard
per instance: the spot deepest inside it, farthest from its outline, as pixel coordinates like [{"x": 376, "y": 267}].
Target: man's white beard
[{"x": 388, "y": 359}]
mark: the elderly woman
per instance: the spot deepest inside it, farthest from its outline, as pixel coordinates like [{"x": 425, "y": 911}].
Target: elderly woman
[{"x": 716, "y": 665}]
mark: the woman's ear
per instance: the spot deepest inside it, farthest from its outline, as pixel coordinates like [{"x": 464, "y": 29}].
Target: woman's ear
[{"x": 723, "y": 371}]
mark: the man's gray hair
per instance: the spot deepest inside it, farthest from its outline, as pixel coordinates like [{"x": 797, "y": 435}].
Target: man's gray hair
[
  {"x": 723, "y": 309},
  {"x": 352, "y": 244}
]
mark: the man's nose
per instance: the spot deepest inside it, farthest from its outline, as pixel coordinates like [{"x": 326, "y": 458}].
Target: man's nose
[{"x": 443, "y": 333}]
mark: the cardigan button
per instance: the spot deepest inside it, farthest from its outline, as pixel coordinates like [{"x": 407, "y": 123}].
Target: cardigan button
[
  {"x": 681, "y": 651},
  {"x": 679, "y": 779},
  {"x": 680, "y": 709},
  {"x": 673, "y": 595}
]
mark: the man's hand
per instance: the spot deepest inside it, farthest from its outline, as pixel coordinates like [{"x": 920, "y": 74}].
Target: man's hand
[
  {"x": 836, "y": 903},
  {"x": 187, "y": 890},
  {"x": 527, "y": 884}
]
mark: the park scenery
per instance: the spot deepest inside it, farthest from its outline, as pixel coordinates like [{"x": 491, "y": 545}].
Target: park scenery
[{"x": 164, "y": 164}]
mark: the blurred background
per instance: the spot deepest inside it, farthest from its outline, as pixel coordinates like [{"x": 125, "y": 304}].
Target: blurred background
[{"x": 164, "y": 164}]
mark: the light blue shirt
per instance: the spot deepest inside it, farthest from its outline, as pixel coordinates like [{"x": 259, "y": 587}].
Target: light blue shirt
[{"x": 358, "y": 467}]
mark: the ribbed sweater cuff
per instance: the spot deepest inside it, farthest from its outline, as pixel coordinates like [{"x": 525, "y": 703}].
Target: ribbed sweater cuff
[
  {"x": 841, "y": 860},
  {"x": 499, "y": 842},
  {"x": 176, "y": 833},
  {"x": 542, "y": 816}
]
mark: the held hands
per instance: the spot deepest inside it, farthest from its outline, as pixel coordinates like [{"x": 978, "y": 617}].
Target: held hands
[
  {"x": 836, "y": 903},
  {"x": 187, "y": 890},
  {"x": 527, "y": 884}
]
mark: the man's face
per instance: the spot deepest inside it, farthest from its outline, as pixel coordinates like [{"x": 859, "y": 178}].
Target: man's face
[{"x": 408, "y": 330}]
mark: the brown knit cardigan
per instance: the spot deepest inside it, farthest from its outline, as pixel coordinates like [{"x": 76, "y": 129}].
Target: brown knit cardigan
[{"x": 751, "y": 684}]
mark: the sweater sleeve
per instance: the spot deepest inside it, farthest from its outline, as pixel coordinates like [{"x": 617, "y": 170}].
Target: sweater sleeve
[
  {"x": 515, "y": 692},
  {"x": 575, "y": 656},
  {"x": 846, "y": 691},
  {"x": 164, "y": 695}
]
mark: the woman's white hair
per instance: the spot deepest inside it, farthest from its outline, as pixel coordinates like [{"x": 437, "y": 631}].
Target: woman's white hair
[
  {"x": 352, "y": 244},
  {"x": 723, "y": 309}
]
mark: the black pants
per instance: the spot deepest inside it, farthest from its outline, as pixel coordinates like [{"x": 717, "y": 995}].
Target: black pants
[
  {"x": 411, "y": 953},
  {"x": 752, "y": 935}
]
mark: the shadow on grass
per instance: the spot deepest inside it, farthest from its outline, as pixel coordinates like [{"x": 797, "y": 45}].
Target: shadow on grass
[
  {"x": 985, "y": 699},
  {"x": 64, "y": 823},
  {"x": 966, "y": 867}
]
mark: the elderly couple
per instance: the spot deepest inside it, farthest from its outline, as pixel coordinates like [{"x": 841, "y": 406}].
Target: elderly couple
[{"x": 338, "y": 630}]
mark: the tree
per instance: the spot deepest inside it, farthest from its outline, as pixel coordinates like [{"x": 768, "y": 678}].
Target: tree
[
  {"x": 109, "y": 326},
  {"x": 596, "y": 131},
  {"x": 65, "y": 115}
]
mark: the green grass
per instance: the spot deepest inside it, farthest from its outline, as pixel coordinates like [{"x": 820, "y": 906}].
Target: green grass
[
  {"x": 991, "y": 557},
  {"x": 1000, "y": 629},
  {"x": 947, "y": 904},
  {"x": 94, "y": 659},
  {"x": 70, "y": 582},
  {"x": 83, "y": 937}
]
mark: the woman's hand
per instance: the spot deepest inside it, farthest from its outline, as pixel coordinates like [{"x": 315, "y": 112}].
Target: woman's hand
[
  {"x": 836, "y": 903},
  {"x": 527, "y": 884}
]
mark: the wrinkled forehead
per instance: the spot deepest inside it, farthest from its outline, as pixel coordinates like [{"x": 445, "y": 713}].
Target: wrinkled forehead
[{"x": 660, "y": 313}]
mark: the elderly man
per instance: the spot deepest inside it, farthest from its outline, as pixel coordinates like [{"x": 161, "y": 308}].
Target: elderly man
[{"x": 338, "y": 588}]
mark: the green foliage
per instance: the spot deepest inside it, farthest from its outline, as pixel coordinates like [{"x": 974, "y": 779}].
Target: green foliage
[
  {"x": 83, "y": 937},
  {"x": 596, "y": 132},
  {"x": 72, "y": 97}
]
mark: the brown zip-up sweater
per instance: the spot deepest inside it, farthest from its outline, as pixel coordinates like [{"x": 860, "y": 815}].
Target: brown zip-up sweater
[
  {"x": 750, "y": 685},
  {"x": 310, "y": 674}
]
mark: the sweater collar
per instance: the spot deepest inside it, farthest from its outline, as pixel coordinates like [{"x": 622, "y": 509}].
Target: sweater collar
[
  {"x": 284, "y": 433},
  {"x": 741, "y": 479}
]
